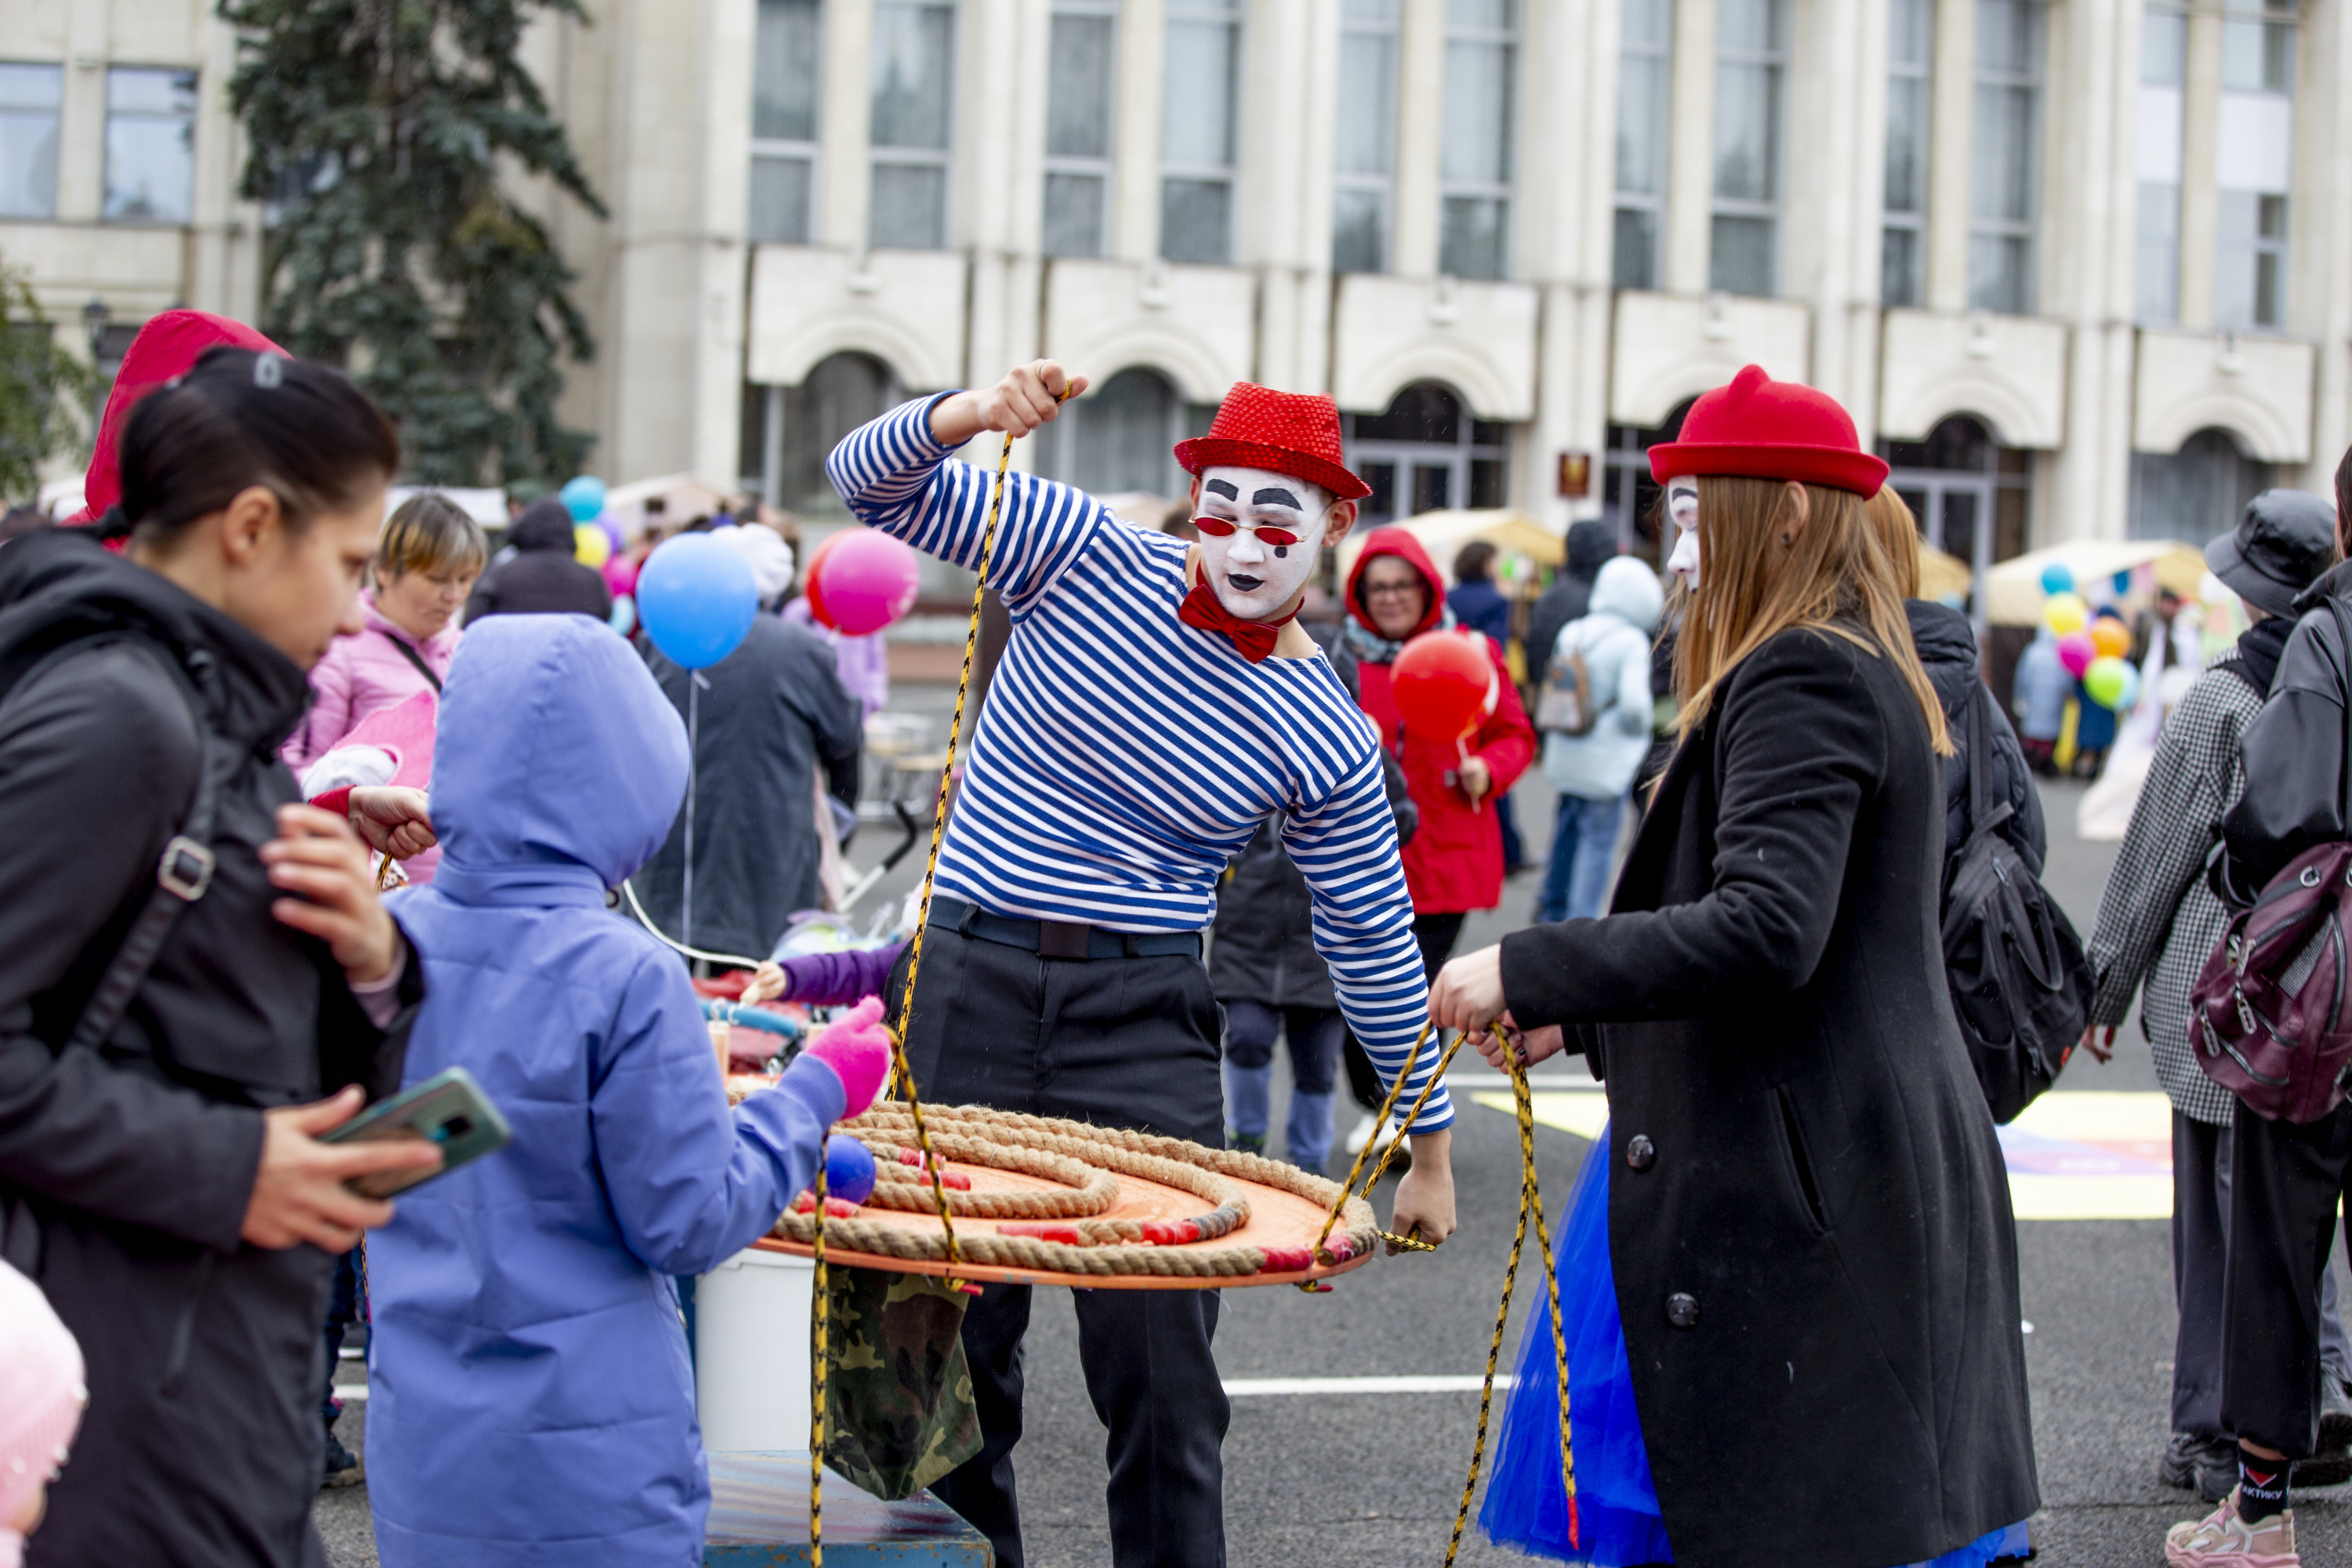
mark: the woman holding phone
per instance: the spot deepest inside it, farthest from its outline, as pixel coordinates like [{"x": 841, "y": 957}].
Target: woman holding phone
[
  {"x": 195, "y": 977},
  {"x": 1800, "y": 1284}
]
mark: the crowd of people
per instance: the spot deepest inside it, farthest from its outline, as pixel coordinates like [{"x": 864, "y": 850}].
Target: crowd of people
[{"x": 1189, "y": 832}]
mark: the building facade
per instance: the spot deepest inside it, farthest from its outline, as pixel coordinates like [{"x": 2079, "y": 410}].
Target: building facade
[{"x": 2079, "y": 267}]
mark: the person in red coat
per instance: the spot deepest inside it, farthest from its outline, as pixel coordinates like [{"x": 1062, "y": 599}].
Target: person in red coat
[{"x": 1454, "y": 864}]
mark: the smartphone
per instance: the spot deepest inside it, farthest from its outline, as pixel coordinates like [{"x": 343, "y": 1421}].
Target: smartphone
[{"x": 448, "y": 1108}]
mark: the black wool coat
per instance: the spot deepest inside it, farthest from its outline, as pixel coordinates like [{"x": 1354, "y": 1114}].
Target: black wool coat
[
  {"x": 1809, "y": 1219},
  {"x": 125, "y": 1170},
  {"x": 542, "y": 577}
]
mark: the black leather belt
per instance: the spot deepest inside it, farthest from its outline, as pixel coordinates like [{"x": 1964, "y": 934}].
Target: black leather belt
[{"x": 1060, "y": 939}]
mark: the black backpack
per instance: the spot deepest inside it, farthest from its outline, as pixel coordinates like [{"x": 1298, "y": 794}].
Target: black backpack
[{"x": 2020, "y": 988}]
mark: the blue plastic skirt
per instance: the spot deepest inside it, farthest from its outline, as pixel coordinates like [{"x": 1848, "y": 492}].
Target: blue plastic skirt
[{"x": 1619, "y": 1521}]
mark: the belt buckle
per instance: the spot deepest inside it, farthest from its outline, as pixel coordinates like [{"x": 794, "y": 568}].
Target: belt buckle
[{"x": 1062, "y": 939}]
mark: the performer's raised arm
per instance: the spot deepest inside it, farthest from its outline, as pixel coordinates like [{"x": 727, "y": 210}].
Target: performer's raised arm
[{"x": 893, "y": 474}]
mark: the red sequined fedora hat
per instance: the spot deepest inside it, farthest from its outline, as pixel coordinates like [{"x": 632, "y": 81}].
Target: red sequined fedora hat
[
  {"x": 1761, "y": 429},
  {"x": 1289, "y": 433}
]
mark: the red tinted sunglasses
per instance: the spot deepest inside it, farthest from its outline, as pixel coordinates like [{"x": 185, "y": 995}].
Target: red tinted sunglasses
[{"x": 1223, "y": 527}]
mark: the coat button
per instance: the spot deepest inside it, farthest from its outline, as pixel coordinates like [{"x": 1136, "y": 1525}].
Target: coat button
[
  {"x": 1640, "y": 1153},
  {"x": 1682, "y": 1310}
]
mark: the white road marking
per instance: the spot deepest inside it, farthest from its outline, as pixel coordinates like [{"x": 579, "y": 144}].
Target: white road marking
[{"x": 1256, "y": 1387}]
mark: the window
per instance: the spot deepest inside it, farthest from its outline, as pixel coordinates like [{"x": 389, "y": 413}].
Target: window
[
  {"x": 28, "y": 139},
  {"x": 1902, "y": 250},
  {"x": 789, "y": 431},
  {"x": 1751, "y": 56},
  {"x": 787, "y": 64},
  {"x": 1629, "y": 498},
  {"x": 1080, "y": 68},
  {"x": 2196, "y": 492},
  {"x": 1644, "y": 95},
  {"x": 2254, "y": 153},
  {"x": 2005, "y": 163},
  {"x": 151, "y": 145},
  {"x": 914, "y": 70},
  {"x": 1199, "y": 102},
  {"x": 1474, "y": 155},
  {"x": 1120, "y": 438},
  {"x": 1426, "y": 454},
  {"x": 1364, "y": 163},
  {"x": 2163, "y": 71}
]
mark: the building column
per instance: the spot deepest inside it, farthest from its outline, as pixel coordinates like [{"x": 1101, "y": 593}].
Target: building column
[
  {"x": 2319, "y": 277},
  {"x": 1134, "y": 187},
  {"x": 2201, "y": 135},
  {"x": 1833, "y": 180},
  {"x": 1952, "y": 124},
  {"x": 845, "y": 123},
  {"x": 1421, "y": 128},
  {"x": 2083, "y": 491},
  {"x": 1001, "y": 62},
  {"x": 1567, "y": 193},
  {"x": 1690, "y": 150}
]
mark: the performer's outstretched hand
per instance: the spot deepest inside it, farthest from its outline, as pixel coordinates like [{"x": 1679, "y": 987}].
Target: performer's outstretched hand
[
  {"x": 1027, "y": 397},
  {"x": 1424, "y": 1195}
]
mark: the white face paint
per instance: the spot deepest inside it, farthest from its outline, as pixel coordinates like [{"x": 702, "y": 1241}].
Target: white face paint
[
  {"x": 1252, "y": 577},
  {"x": 1682, "y": 505}
]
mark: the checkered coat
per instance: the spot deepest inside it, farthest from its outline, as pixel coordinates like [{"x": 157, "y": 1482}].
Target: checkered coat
[{"x": 2158, "y": 921}]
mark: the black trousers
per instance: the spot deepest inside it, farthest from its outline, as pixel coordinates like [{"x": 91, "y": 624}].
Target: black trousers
[
  {"x": 1435, "y": 936},
  {"x": 1119, "y": 1042},
  {"x": 2286, "y": 1180}
]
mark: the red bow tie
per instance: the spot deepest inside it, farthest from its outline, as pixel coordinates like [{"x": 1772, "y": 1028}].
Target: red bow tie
[{"x": 1252, "y": 640}]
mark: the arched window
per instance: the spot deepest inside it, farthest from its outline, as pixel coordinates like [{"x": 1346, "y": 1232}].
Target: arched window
[
  {"x": 1121, "y": 438},
  {"x": 2196, "y": 492},
  {"x": 1629, "y": 497},
  {"x": 789, "y": 431},
  {"x": 1425, "y": 453},
  {"x": 1966, "y": 490}
]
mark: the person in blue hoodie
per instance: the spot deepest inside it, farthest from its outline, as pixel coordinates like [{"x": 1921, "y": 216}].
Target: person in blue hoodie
[{"x": 530, "y": 1397}]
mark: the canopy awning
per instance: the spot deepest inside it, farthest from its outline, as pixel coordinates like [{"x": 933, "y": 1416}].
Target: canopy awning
[{"x": 2014, "y": 592}]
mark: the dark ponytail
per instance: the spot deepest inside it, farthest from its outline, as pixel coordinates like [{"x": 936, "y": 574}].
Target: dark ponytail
[{"x": 239, "y": 419}]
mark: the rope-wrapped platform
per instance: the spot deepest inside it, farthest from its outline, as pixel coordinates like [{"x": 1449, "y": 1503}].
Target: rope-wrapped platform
[{"x": 1084, "y": 1238}]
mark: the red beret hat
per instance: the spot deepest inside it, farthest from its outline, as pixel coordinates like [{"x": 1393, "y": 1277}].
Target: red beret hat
[
  {"x": 1765, "y": 429},
  {"x": 1283, "y": 432}
]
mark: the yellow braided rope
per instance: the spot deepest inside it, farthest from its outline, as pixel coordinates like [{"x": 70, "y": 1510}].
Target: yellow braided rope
[{"x": 820, "y": 1309}]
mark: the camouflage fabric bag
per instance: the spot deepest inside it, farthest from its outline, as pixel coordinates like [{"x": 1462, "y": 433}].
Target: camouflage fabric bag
[{"x": 897, "y": 1394}]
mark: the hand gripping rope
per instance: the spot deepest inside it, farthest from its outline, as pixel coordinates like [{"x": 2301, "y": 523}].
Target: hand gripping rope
[
  {"x": 1530, "y": 1205},
  {"x": 902, "y": 1075}
]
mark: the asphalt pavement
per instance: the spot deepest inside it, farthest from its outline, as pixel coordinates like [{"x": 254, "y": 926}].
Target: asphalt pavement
[{"x": 1327, "y": 1474}]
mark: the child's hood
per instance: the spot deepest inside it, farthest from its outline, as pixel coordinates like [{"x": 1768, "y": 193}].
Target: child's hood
[{"x": 555, "y": 745}]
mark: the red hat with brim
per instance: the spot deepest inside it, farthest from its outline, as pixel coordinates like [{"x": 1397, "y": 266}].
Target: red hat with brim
[
  {"x": 1289, "y": 433},
  {"x": 1759, "y": 428}
]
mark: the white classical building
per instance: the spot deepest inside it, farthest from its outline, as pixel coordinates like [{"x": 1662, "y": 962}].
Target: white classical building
[{"x": 2079, "y": 267}]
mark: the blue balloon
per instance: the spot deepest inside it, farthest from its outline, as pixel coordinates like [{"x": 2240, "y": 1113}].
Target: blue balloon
[
  {"x": 584, "y": 497},
  {"x": 695, "y": 599},
  {"x": 2057, "y": 578},
  {"x": 2126, "y": 698},
  {"x": 848, "y": 1169}
]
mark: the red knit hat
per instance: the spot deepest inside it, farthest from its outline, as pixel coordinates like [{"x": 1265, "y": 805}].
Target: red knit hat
[
  {"x": 1765, "y": 429},
  {"x": 1289, "y": 433}
]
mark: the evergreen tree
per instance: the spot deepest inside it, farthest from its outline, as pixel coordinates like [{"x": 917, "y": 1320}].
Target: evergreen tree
[
  {"x": 46, "y": 393},
  {"x": 379, "y": 130}
]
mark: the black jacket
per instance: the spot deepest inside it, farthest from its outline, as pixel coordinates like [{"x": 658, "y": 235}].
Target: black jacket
[
  {"x": 1948, "y": 650},
  {"x": 768, "y": 716},
  {"x": 1263, "y": 948},
  {"x": 1591, "y": 544},
  {"x": 1806, "y": 1176},
  {"x": 2293, "y": 751},
  {"x": 201, "y": 1445},
  {"x": 543, "y": 577}
]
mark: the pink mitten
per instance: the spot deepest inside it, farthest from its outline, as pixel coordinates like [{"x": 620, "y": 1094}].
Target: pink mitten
[{"x": 857, "y": 1048}]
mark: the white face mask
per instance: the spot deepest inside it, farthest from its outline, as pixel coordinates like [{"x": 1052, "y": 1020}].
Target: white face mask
[
  {"x": 1682, "y": 506},
  {"x": 1252, "y": 578}
]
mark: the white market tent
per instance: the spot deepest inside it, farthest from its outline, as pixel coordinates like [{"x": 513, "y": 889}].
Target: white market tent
[
  {"x": 1443, "y": 533},
  {"x": 2014, "y": 592}
]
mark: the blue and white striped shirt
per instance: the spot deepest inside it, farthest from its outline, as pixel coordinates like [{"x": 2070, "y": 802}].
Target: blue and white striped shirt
[{"x": 1124, "y": 758}]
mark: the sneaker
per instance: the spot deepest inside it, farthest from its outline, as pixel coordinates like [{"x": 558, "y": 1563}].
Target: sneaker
[
  {"x": 2206, "y": 1466},
  {"x": 1361, "y": 1135},
  {"x": 1245, "y": 1144},
  {"x": 2335, "y": 1415},
  {"x": 2222, "y": 1540},
  {"x": 1401, "y": 1161},
  {"x": 343, "y": 1466}
]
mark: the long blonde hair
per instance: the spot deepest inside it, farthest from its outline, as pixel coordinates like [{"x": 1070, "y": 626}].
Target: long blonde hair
[
  {"x": 1898, "y": 532},
  {"x": 1835, "y": 577}
]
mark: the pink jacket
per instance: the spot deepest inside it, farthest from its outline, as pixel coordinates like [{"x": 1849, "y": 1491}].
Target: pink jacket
[{"x": 360, "y": 676}]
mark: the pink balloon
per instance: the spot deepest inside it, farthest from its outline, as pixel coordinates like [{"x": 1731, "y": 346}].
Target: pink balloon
[
  {"x": 867, "y": 579},
  {"x": 2076, "y": 651},
  {"x": 620, "y": 573}
]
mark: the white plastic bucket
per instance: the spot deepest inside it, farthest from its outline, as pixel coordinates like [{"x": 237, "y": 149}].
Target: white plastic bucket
[{"x": 751, "y": 1352}]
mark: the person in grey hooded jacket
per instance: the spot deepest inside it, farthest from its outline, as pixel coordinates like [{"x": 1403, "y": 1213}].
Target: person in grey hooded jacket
[{"x": 1593, "y": 771}]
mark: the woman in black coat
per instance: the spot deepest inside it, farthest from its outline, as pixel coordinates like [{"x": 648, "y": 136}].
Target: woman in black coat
[
  {"x": 1808, "y": 1217},
  {"x": 159, "y": 1178}
]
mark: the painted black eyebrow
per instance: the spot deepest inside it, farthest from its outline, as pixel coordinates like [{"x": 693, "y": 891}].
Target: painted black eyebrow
[
  {"x": 1276, "y": 497},
  {"x": 1224, "y": 488}
]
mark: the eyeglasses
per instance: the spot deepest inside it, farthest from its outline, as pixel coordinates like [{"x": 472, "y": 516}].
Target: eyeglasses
[
  {"x": 1223, "y": 527},
  {"x": 1392, "y": 590}
]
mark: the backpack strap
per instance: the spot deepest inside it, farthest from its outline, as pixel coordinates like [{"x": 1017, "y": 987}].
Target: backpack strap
[
  {"x": 1983, "y": 815},
  {"x": 417, "y": 658},
  {"x": 2344, "y": 662}
]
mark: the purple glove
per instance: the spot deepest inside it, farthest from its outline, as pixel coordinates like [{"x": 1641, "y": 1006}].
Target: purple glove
[{"x": 857, "y": 1048}]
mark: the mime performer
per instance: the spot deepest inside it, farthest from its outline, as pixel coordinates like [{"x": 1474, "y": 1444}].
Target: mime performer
[{"x": 1157, "y": 702}]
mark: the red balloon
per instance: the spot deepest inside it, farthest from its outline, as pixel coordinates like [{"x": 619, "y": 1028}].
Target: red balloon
[
  {"x": 1443, "y": 683},
  {"x": 810, "y": 582}
]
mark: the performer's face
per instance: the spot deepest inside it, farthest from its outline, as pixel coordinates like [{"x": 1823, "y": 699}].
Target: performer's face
[
  {"x": 1682, "y": 507},
  {"x": 1252, "y": 578}
]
